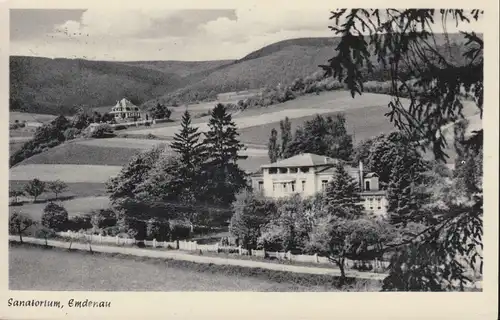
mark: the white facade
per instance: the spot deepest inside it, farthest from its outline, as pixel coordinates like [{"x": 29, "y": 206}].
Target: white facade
[
  {"x": 308, "y": 174},
  {"x": 125, "y": 110}
]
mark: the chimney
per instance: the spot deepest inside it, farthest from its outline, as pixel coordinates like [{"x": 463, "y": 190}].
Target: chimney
[{"x": 361, "y": 176}]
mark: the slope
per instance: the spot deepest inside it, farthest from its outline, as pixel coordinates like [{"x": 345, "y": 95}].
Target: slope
[{"x": 54, "y": 86}]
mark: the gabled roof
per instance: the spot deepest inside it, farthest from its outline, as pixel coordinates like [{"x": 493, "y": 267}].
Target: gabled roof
[
  {"x": 371, "y": 174},
  {"x": 302, "y": 160}
]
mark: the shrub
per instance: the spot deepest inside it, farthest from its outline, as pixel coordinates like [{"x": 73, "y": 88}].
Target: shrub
[
  {"x": 120, "y": 127},
  {"x": 55, "y": 217},
  {"x": 78, "y": 223},
  {"x": 71, "y": 133},
  {"x": 147, "y": 124},
  {"x": 19, "y": 223},
  {"x": 44, "y": 233},
  {"x": 99, "y": 131}
]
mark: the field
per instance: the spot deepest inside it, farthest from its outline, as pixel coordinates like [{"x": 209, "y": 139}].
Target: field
[
  {"x": 74, "y": 207},
  {"x": 29, "y": 117},
  {"x": 42, "y": 269},
  {"x": 64, "y": 172},
  {"x": 80, "y": 189}
]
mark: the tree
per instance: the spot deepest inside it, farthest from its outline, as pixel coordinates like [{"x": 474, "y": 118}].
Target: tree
[
  {"x": 342, "y": 194},
  {"x": 225, "y": 178},
  {"x": 286, "y": 137},
  {"x": 57, "y": 187},
  {"x": 35, "y": 188},
  {"x": 19, "y": 223},
  {"x": 16, "y": 194},
  {"x": 405, "y": 194},
  {"x": 54, "y": 217},
  {"x": 191, "y": 153},
  {"x": 324, "y": 136},
  {"x": 289, "y": 228},
  {"x": 355, "y": 239},
  {"x": 160, "y": 111},
  {"x": 273, "y": 147},
  {"x": 435, "y": 82},
  {"x": 250, "y": 214}
]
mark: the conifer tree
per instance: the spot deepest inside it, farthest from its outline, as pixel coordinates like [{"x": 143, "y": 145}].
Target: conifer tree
[
  {"x": 189, "y": 147},
  {"x": 224, "y": 176},
  {"x": 273, "y": 147},
  {"x": 286, "y": 137},
  {"x": 342, "y": 199}
]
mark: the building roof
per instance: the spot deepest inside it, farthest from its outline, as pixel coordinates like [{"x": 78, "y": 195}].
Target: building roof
[
  {"x": 371, "y": 174},
  {"x": 124, "y": 103},
  {"x": 331, "y": 170},
  {"x": 302, "y": 160}
]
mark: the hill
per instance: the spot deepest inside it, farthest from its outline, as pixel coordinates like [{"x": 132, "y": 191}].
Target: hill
[
  {"x": 181, "y": 68},
  {"x": 279, "y": 63},
  {"x": 53, "y": 86}
]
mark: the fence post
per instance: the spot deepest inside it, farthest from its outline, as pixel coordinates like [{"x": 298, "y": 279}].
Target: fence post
[
  {"x": 278, "y": 255},
  {"x": 289, "y": 255},
  {"x": 239, "y": 250},
  {"x": 100, "y": 238},
  {"x": 216, "y": 247},
  {"x": 316, "y": 258},
  {"x": 154, "y": 243},
  {"x": 117, "y": 240}
]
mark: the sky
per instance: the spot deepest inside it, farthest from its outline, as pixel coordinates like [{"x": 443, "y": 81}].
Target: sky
[{"x": 109, "y": 33}]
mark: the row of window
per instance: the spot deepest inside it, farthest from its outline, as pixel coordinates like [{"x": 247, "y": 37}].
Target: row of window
[
  {"x": 289, "y": 170},
  {"x": 287, "y": 187}
]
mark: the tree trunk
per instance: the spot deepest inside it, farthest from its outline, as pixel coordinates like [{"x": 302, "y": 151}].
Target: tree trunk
[
  {"x": 20, "y": 236},
  {"x": 341, "y": 264}
]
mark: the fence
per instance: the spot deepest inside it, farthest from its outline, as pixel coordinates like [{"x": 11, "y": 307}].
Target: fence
[{"x": 374, "y": 265}]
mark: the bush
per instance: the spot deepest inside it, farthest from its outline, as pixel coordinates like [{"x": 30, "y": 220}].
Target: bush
[
  {"x": 99, "y": 131},
  {"x": 120, "y": 127},
  {"x": 55, "y": 217},
  {"x": 147, "y": 124},
  {"x": 151, "y": 136},
  {"x": 78, "y": 223},
  {"x": 71, "y": 133}
]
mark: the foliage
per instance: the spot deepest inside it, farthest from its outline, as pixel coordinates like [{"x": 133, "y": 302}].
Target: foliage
[
  {"x": 273, "y": 146},
  {"x": 250, "y": 214},
  {"x": 19, "y": 223},
  {"x": 158, "y": 230},
  {"x": 35, "y": 188},
  {"x": 71, "y": 133},
  {"x": 192, "y": 155},
  {"x": 160, "y": 111},
  {"x": 224, "y": 177},
  {"x": 355, "y": 239},
  {"x": 54, "y": 217},
  {"x": 324, "y": 136},
  {"x": 16, "y": 194},
  {"x": 286, "y": 137},
  {"x": 342, "y": 198},
  {"x": 99, "y": 131},
  {"x": 289, "y": 228},
  {"x": 57, "y": 187},
  {"x": 435, "y": 83},
  {"x": 80, "y": 222}
]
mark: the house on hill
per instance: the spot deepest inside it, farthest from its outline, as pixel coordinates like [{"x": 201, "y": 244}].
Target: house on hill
[
  {"x": 308, "y": 174},
  {"x": 124, "y": 110}
]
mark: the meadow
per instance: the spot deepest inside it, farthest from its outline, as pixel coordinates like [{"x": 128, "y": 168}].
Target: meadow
[
  {"x": 75, "y": 189},
  {"x": 64, "y": 172},
  {"x": 35, "y": 268},
  {"x": 76, "y": 206}
]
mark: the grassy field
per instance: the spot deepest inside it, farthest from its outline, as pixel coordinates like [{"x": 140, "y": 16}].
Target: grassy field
[
  {"x": 75, "y": 189},
  {"x": 29, "y": 117},
  {"x": 82, "y": 154},
  {"x": 64, "y": 172},
  {"x": 32, "y": 268},
  {"x": 77, "y": 206},
  {"x": 102, "y": 154}
]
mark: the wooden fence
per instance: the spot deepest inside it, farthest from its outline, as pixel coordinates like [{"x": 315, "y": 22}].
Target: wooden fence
[{"x": 374, "y": 265}]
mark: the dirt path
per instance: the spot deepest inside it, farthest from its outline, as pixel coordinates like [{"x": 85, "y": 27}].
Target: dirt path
[{"x": 158, "y": 253}]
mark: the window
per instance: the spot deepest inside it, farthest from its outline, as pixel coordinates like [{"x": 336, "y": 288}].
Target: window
[
  {"x": 292, "y": 185},
  {"x": 303, "y": 185},
  {"x": 273, "y": 170},
  {"x": 283, "y": 170},
  {"x": 324, "y": 183},
  {"x": 293, "y": 170},
  {"x": 274, "y": 186},
  {"x": 284, "y": 187},
  {"x": 261, "y": 185},
  {"x": 304, "y": 169},
  {"x": 367, "y": 185}
]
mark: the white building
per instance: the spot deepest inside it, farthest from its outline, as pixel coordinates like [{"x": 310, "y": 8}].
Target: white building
[
  {"x": 125, "y": 110},
  {"x": 308, "y": 174}
]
